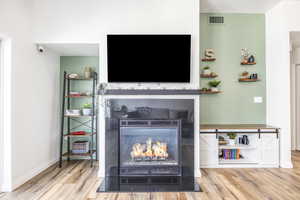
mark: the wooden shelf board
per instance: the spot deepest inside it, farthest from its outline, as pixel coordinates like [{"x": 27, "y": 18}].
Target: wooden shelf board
[
  {"x": 208, "y": 59},
  {"x": 236, "y": 161},
  {"x": 80, "y": 79},
  {"x": 82, "y": 96},
  {"x": 85, "y": 135},
  {"x": 254, "y": 63},
  {"x": 239, "y": 146},
  {"x": 79, "y": 116},
  {"x": 79, "y": 154},
  {"x": 248, "y": 80},
  {"x": 208, "y": 76},
  {"x": 209, "y": 92}
]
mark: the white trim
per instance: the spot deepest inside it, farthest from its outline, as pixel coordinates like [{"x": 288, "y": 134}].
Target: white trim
[
  {"x": 26, "y": 177},
  {"x": 5, "y": 114},
  {"x": 287, "y": 165}
]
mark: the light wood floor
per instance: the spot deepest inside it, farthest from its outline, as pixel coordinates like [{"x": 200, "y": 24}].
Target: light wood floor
[{"x": 78, "y": 181}]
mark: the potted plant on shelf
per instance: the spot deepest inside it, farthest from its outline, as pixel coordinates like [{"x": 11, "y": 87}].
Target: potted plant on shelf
[
  {"x": 206, "y": 70},
  {"x": 231, "y": 140},
  {"x": 87, "y": 109},
  {"x": 214, "y": 85}
]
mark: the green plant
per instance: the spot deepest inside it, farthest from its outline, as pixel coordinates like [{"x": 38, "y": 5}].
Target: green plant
[
  {"x": 214, "y": 83},
  {"x": 231, "y": 136},
  {"x": 87, "y": 105},
  {"x": 206, "y": 68}
]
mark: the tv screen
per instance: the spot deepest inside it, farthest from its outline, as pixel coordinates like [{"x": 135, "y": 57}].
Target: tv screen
[{"x": 149, "y": 58}]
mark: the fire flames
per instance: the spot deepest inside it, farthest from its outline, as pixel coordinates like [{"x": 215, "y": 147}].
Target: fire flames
[{"x": 150, "y": 151}]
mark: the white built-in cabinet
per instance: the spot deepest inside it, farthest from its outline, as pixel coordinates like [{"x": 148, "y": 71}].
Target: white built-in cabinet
[
  {"x": 269, "y": 150},
  {"x": 208, "y": 150},
  {"x": 263, "y": 151}
]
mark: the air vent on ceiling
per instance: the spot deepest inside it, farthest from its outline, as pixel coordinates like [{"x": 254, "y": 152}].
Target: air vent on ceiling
[{"x": 216, "y": 20}]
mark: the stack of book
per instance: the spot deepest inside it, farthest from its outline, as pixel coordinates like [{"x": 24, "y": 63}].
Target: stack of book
[{"x": 231, "y": 154}]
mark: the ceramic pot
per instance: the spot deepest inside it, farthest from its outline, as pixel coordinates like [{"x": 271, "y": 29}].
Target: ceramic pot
[
  {"x": 87, "y": 111},
  {"x": 207, "y": 72},
  {"x": 215, "y": 89},
  {"x": 231, "y": 142},
  {"x": 87, "y": 75}
]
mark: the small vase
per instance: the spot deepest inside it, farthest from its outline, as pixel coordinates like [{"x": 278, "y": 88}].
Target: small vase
[
  {"x": 231, "y": 142},
  {"x": 87, "y": 111},
  {"x": 215, "y": 89},
  {"x": 207, "y": 72},
  {"x": 87, "y": 75}
]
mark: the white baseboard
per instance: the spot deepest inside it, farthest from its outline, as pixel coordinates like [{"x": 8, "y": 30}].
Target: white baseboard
[
  {"x": 34, "y": 172},
  {"x": 287, "y": 165},
  {"x": 197, "y": 173}
]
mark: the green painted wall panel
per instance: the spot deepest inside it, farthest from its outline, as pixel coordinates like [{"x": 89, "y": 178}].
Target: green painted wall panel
[{"x": 235, "y": 104}]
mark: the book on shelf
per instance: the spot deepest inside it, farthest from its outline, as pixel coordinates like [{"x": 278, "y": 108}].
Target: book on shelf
[{"x": 231, "y": 154}]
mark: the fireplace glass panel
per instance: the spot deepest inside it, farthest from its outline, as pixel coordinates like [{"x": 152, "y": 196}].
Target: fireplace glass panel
[{"x": 141, "y": 146}]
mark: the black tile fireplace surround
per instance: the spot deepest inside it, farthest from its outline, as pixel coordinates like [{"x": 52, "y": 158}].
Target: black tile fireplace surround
[{"x": 149, "y": 146}]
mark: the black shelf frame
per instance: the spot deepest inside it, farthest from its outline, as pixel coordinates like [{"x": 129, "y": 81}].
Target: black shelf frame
[{"x": 93, "y": 120}]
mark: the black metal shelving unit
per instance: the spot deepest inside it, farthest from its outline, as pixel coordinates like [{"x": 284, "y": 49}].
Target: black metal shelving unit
[{"x": 91, "y": 122}]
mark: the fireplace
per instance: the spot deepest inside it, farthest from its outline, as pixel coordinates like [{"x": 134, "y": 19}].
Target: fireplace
[{"x": 149, "y": 147}]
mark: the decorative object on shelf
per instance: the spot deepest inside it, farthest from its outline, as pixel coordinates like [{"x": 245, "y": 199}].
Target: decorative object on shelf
[
  {"x": 244, "y": 140},
  {"x": 73, "y": 76},
  {"x": 80, "y": 147},
  {"x": 251, "y": 59},
  {"x": 78, "y": 133},
  {"x": 247, "y": 59},
  {"x": 87, "y": 109},
  {"x": 222, "y": 141},
  {"x": 249, "y": 78},
  {"x": 206, "y": 70},
  {"x": 209, "y": 55},
  {"x": 231, "y": 140},
  {"x": 88, "y": 71},
  {"x": 72, "y": 112},
  {"x": 214, "y": 85},
  {"x": 208, "y": 91}
]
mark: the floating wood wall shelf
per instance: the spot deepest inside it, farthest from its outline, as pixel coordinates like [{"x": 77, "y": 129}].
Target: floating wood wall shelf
[
  {"x": 254, "y": 63},
  {"x": 209, "y": 92},
  {"x": 248, "y": 80},
  {"x": 209, "y": 75},
  {"x": 208, "y": 59}
]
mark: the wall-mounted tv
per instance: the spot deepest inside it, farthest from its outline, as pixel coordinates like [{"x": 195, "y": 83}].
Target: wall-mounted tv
[{"x": 149, "y": 58}]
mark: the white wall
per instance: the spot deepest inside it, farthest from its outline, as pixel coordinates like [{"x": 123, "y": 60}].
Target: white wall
[
  {"x": 34, "y": 94},
  {"x": 79, "y": 21},
  {"x": 280, "y": 21}
]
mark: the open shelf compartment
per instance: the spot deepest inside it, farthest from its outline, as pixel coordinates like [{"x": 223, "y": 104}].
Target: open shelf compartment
[{"x": 248, "y": 153}]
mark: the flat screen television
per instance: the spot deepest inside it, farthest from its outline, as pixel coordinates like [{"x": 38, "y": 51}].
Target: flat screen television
[{"x": 149, "y": 58}]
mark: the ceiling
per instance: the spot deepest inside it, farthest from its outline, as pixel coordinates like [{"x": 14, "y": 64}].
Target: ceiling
[
  {"x": 237, "y": 6},
  {"x": 73, "y": 49}
]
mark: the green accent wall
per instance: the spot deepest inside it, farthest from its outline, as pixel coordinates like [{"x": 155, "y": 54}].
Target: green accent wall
[{"x": 235, "y": 105}]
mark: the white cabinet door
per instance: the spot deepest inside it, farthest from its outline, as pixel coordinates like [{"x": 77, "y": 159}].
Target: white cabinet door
[
  {"x": 208, "y": 150},
  {"x": 269, "y": 150}
]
